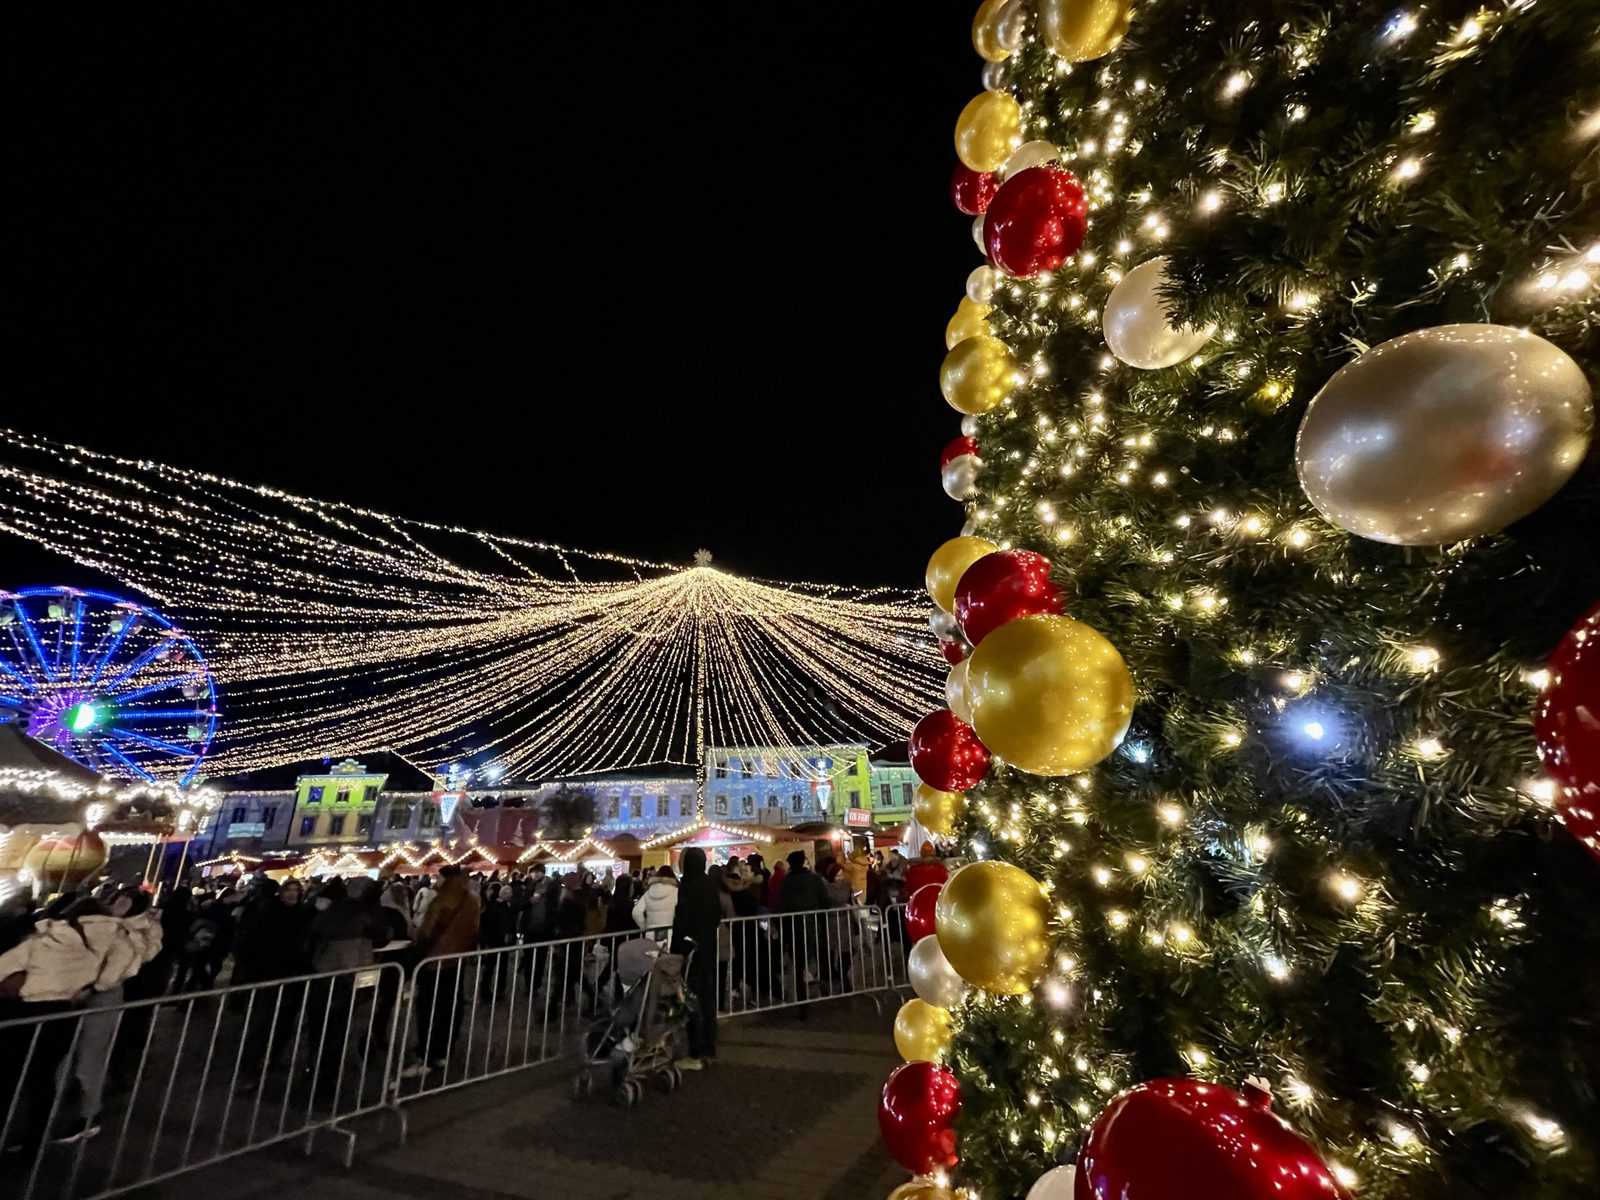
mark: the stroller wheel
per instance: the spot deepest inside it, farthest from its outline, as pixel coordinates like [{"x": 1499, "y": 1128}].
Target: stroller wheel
[
  {"x": 677, "y": 1077},
  {"x": 666, "y": 1080},
  {"x": 582, "y": 1085}
]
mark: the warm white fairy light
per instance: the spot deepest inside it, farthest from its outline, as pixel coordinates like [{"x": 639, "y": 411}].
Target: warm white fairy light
[{"x": 566, "y": 661}]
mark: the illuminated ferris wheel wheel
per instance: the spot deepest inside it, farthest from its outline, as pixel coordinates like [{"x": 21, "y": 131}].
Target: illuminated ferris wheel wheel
[{"x": 108, "y": 682}]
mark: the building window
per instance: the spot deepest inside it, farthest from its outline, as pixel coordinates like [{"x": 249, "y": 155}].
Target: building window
[
  {"x": 772, "y": 800},
  {"x": 722, "y": 806},
  {"x": 905, "y": 794},
  {"x": 269, "y": 816},
  {"x": 855, "y": 766},
  {"x": 399, "y": 815},
  {"x": 886, "y": 792},
  {"x": 772, "y": 768},
  {"x": 721, "y": 771},
  {"x": 796, "y": 801},
  {"x": 314, "y": 796},
  {"x": 652, "y": 805},
  {"x": 364, "y": 824},
  {"x": 238, "y": 814},
  {"x": 307, "y": 826},
  {"x": 749, "y": 806},
  {"x": 342, "y": 796},
  {"x": 613, "y": 807},
  {"x": 336, "y": 825},
  {"x": 683, "y": 806},
  {"x": 370, "y": 795},
  {"x": 427, "y": 817}
]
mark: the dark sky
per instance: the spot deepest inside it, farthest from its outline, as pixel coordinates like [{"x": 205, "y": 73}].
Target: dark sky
[{"x": 625, "y": 276}]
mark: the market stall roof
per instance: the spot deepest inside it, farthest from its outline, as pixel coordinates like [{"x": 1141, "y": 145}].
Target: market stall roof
[{"x": 709, "y": 833}]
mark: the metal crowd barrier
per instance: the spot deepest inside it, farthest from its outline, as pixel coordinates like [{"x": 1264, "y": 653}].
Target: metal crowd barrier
[
  {"x": 182, "y": 1081},
  {"x": 780, "y": 960},
  {"x": 483, "y": 1013}
]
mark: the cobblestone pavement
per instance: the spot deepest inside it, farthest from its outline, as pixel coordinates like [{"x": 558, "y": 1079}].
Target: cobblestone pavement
[{"x": 790, "y": 1106}]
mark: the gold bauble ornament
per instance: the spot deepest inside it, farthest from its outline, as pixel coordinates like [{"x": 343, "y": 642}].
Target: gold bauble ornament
[
  {"x": 988, "y": 130},
  {"x": 949, "y": 563},
  {"x": 968, "y": 322},
  {"x": 922, "y": 1032},
  {"x": 978, "y": 375},
  {"x": 937, "y": 811},
  {"x": 986, "y": 31},
  {"x": 991, "y": 920},
  {"x": 1049, "y": 694},
  {"x": 921, "y": 1189},
  {"x": 1081, "y": 30}
]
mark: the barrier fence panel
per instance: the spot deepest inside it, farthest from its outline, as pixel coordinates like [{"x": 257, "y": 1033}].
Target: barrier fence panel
[
  {"x": 780, "y": 960},
  {"x": 182, "y": 1081},
  {"x": 171, "y": 1084},
  {"x": 484, "y": 1013}
]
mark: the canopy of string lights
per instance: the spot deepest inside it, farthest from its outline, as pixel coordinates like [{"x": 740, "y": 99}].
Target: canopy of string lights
[{"x": 332, "y": 629}]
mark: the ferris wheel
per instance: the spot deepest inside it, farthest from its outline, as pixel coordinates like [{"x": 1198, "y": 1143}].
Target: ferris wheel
[{"x": 108, "y": 682}]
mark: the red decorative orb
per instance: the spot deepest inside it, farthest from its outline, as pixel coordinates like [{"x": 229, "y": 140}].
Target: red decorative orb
[
  {"x": 1200, "y": 1141},
  {"x": 1036, "y": 221},
  {"x": 956, "y": 448},
  {"x": 921, "y": 874},
  {"x": 953, "y": 649},
  {"x": 1566, "y": 729},
  {"x": 946, "y": 754},
  {"x": 919, "y": 1106},
  {"x": 920, "y": 905},
  {"x": 1001, "y": 587},
  {"x": 972, "y": 190}
]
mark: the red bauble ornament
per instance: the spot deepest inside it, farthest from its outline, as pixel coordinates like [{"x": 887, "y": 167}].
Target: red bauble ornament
[
  {"x": 1201, "y": 1141},
  {"x": 1036, "y": 221},
  {"x": 953, "y": 649},
  {"x": 921, "y": 874},
  {"x": 1001, "y": 587},
  {"x": 919, "y": 1105},
  {"x": 920, "y": 907},
  {"x": 1566, "y": 728},
  {"x": 956, "y": 448},
  {"x": 972, "y": 190},
  {"x": 946, "y": 754}
]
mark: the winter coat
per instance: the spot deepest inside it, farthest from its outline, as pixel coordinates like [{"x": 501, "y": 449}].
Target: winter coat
[
  {"x": 419, "y": 904},
  {"x": 345, "y": 934},
  {"x": 272, "y": 941},
  {"x": 450, "y": 925},
  {"x": 856, "y": 869},
  {"x": 774, "y": 895},
  {"x": 62, "y": 958},
  {"x": 839, "y": 893},
  {"x": 803, "y": 891},
  {"x": 698, "y": 908},
  {"x": 656, "y": 908}
]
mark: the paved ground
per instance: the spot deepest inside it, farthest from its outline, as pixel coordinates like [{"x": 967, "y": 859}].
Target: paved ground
[{"x": 789, "y": 1108}]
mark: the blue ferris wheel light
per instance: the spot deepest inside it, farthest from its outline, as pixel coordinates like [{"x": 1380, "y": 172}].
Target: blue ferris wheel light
[{"x": 106, "y": 681}]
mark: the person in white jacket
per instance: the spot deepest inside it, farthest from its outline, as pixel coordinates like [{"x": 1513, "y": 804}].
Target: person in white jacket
[
  {"x": 654, "y": 909},
  {"x": 79, "y": 960}
]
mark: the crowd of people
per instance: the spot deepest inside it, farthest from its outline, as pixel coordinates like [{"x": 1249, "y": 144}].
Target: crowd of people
[{"x": 95, "y": 948}]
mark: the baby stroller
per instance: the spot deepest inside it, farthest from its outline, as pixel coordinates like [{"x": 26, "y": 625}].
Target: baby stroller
[{"x": 641, "y": 1036}]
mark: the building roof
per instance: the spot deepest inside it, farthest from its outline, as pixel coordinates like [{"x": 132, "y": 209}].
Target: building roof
[{"x": 403, "y": 774}]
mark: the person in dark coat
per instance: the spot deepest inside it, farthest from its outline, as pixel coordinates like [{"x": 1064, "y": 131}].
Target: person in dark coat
[
  {"x": 803, "y": 889},
  {"x": 694, "y": 926},
  {"x": 274, "y": 944}
]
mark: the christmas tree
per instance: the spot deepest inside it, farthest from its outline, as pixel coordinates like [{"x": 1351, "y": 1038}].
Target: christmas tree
[{"x": 1325, "y": 853}]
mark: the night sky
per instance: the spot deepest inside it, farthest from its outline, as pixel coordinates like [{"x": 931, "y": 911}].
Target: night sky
[{"x": 623, "y": 276}]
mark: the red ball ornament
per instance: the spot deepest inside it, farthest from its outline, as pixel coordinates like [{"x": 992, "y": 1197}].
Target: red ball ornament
[
  {"x": 953, "y": 649},
  {"x": 1566, "y": 729},
  {"x": 920, "y": 909},
  {"x": 922, "y": 873},
  {"x": 959, "y": 465},
  {"x": 1001, "y": 587},
  {"x": 1201, "y": 1141},
  {"x": 1036, "y": 221},
  {"x": 946, "y": 754},
  {"x": 919, "y": 1105},
  {"x": 972, "y": 190}
]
